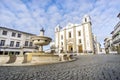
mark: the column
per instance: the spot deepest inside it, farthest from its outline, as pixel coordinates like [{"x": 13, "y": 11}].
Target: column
[
  {"x": 65, "y": 43},
  {"x": 74, "y": 39},
  {"x": 40, "y": 48},
  {"x": 84, "y": 39},
  {"x": 21, "y": 51}
]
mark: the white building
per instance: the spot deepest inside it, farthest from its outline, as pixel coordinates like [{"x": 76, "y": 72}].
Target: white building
[
  {"x": 116, "y": 36},
  {"x": 15, "y": 42},
  {"x": 75, "y": 37},
  {"x": 102, "y": 51},
  {"x": 99, "y": 49},
  {"x": 108, "y": 43},
  {"x": 96, "y": 45},
  {"x": 52, "y": 47}
]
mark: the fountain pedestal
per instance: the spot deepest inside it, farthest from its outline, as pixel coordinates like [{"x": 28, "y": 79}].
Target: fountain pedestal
[{"x": 41, "y": 48}]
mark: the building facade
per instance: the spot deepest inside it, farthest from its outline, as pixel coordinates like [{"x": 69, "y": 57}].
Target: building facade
[
  {"x": 116, "y": 36},
  {"x": 99, "y": 49},
  {"x": 15, "y": 42},
  {"x": 96, "y": 45},
  {"x": 75, "y": 37},
  {"x": 108, "y": 45}
]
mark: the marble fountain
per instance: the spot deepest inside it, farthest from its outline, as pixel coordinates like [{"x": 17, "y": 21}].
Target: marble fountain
[
  {"x": 37, "y": 57},
  {"x": 41, "y": 56}
]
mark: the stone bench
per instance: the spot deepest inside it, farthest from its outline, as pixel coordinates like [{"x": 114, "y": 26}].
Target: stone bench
[
  {"x": 12, "y": 59},
  {"x": 19, "y": 59},
  {"x": 4, "y": 59}
]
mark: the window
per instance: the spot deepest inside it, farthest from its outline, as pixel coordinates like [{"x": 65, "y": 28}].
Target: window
[
  {"x": 61, "y": 43},
  {"x": 13, "y": 34},
  {"x": 11, "y": 43},
  {"x": 17, "y": 44},
  {"x": 4, "y": 33},
  {"x": 85, "y": 20},
  {"x": 56, "y": 29},
  {"x": 79, "y": 33},
  {"x": 69, "y": 34},
  {"x": 26, "y": 43},
  {"x": 79, "y": 40},
  {"x": 2, "y": 43},
  {"x": 30, "y": 44},
  {"x": 61, "y": 37},
  {"x": 27, "y": 36},
  {"x": 19, "y": 35}
]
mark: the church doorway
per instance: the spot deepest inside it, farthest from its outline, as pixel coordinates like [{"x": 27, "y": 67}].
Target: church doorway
[
  {"x": 80, "y": 49},
  {"x": 70, "y": 48}
]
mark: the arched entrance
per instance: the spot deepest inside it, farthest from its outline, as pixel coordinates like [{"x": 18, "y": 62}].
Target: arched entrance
[{"x": 70, "y": 48}]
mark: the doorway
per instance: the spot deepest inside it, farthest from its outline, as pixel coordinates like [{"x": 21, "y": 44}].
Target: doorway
[
  {"x": 70, "y": 48},
  {"x": 80, "y": 49}
]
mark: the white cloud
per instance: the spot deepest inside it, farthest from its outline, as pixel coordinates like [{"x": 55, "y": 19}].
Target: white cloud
[{"x": 31, "y": 16}]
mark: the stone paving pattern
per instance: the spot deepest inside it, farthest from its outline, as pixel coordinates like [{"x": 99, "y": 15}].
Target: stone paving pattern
[{"x": 90, "y": 67}]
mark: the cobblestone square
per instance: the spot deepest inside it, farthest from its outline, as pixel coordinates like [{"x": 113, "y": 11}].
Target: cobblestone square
[{"x": 86, "y": 67}]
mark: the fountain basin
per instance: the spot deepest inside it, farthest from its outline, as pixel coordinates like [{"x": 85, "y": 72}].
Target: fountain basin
[{"x": 41, "y": 40}]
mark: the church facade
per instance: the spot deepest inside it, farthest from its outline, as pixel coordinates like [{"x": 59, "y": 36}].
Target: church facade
[{"x": 75, "y": 38}]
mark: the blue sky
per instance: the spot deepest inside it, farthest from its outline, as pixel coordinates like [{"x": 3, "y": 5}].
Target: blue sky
[{"x": 31, "y": 15}]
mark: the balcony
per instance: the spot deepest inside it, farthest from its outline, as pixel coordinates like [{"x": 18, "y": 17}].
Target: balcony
[{"x": 116, "y": 41}]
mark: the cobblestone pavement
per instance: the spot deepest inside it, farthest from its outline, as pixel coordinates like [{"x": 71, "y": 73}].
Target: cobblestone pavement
[{"x": 90, "y": 67}]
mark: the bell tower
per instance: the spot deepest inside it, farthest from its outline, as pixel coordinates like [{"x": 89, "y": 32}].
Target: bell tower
[
  {"x": 86, "y": 19},
  {"x": 87, "y": 29},
  {"x": 57, "y": 36}
]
